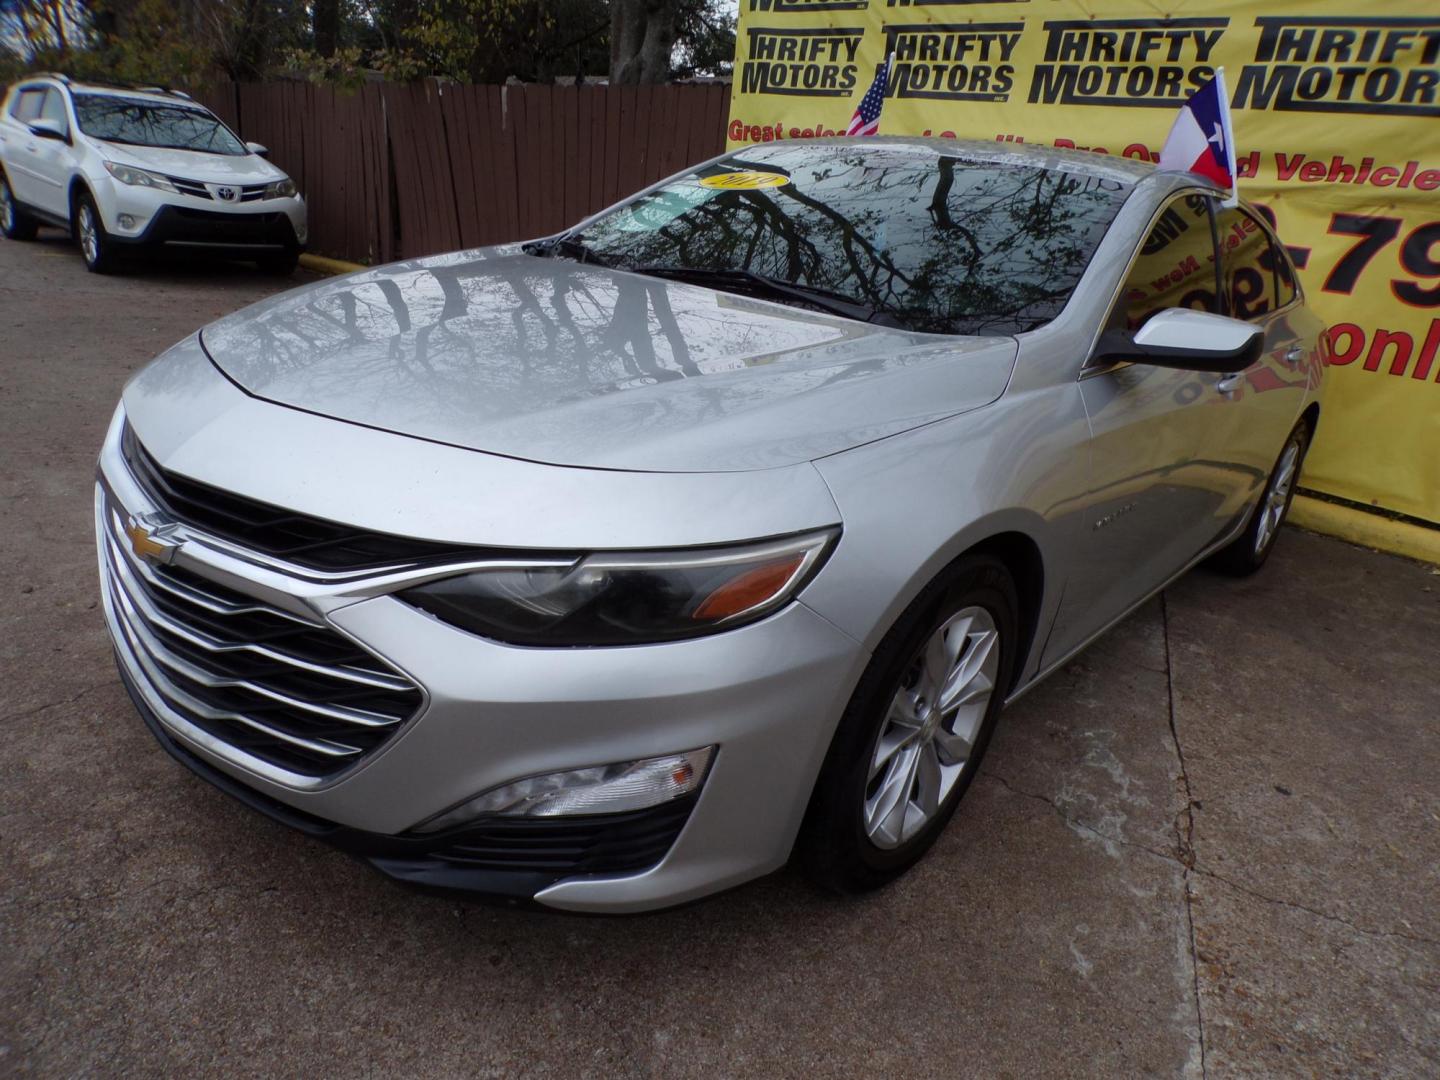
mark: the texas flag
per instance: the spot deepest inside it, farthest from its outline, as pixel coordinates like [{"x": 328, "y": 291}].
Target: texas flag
[{"x": 1202, "y": 140}]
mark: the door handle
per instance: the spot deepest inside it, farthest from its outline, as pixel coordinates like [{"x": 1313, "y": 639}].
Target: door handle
[
  {"x": 1229, "y": 384},
  {"x": 1294, "y": 354}
]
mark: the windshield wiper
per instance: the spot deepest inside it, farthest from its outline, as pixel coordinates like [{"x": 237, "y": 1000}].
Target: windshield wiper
[
  {"x": 775, "y": 288},
  {"x": 571, "y": 247}
]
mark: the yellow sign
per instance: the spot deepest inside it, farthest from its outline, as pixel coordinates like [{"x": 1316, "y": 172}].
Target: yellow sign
[
  {"x": 1337, "y": 115},
  {"x": 744, "y": 181}
]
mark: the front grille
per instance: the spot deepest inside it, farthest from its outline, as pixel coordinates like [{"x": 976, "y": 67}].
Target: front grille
[
  {"x": 600, "y": 844},
  {"x": 305, "y": 541},
  {"x": 190, "y": 187},
  {"x": 248, "y": 192},
  {"x": 293, "y": 693}
]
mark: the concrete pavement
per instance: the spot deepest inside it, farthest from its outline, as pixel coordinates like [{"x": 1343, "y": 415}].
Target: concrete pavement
[{"x": 1211, "y": 845}]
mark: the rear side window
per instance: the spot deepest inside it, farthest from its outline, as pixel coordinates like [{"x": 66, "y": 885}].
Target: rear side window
[
  {"x": 1248, "y": 265},
  {"x": 27, "y": 104},
  {"x": 1175, "y": 267}
]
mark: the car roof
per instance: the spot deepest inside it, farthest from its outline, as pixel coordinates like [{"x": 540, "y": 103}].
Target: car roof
[
  {"x": 1036, "y": 155},
  {"x": 158, "y": 94}
]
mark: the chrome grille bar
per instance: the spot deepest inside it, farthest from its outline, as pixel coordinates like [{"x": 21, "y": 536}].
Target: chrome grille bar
[
  {"x": 291, "y": 692},
  {"x": 189, "y": 187}
]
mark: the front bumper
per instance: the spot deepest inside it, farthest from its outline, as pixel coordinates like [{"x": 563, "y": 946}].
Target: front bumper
[
  {"x": 508, "y": 862},
  {"x": 767, "y": 694},
  {"x": 160, "y": 220}
]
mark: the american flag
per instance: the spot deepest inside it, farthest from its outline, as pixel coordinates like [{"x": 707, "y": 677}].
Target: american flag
[{"x": 866, "y": 120}]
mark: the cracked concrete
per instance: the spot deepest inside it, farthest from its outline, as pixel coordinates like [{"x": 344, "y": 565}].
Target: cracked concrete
[{"x": 1208, "y": 846}]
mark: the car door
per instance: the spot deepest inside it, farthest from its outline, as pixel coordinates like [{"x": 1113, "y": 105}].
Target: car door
[
  {"x": 21, "y": 145},
  {"x": 1264, "y": 401},
  {"x": 1153, "y": 497},
  {"x": 53, "y": 158}
]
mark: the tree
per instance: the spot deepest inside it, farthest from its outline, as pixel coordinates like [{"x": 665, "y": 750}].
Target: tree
[
  {"x": 325, "y": 26},
  {"x": 642, "y": 40}
]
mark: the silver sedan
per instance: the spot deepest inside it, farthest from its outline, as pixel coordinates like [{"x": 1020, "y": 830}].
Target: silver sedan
[{"x": 614, "y": 569}]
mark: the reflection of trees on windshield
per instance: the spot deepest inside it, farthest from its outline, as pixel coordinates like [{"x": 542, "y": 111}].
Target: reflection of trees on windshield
[
  {"x": 145, "y": 123},
  {"x": 945, "y": 243}
]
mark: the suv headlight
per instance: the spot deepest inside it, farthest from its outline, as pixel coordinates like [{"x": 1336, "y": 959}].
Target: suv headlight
[
  {"x": 281, "y": 189},
  {"x": 128, "y": 174},
  {"x": 613, "y": 598}
]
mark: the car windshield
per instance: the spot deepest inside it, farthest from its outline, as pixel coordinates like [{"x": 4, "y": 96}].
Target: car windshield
[
  {"x": 150, "y": 123},
  {"x": 933, "y": 241}
]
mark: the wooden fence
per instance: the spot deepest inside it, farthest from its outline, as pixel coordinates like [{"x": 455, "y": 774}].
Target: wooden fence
[{"x": 396, "y": 171}]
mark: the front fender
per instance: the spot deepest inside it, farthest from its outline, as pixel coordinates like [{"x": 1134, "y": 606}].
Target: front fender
[{"x": 913, "y": 503}]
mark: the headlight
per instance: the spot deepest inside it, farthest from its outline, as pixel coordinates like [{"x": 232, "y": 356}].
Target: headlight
[
  {"x": 128, "y": 174},
  {"x": 281, "y": 189},
  {"x": 626, "y": 598}
]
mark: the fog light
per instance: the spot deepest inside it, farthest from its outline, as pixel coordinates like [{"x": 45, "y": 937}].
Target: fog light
[
  {"x": 126, "y": 221},
  {"x": 601, "y": 789}
]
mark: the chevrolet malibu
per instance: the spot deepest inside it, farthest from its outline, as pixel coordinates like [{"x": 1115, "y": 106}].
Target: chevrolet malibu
[{"x": 610, "y": 570}]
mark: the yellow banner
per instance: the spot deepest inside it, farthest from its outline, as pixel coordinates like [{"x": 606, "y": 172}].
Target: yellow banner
[{"x": 1336, "y": 106}]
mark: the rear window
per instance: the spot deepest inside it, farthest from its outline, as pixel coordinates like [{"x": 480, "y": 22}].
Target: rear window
[{"x": 940, "y": 242}]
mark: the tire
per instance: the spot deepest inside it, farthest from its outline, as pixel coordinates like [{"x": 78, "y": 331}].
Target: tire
[
  {"x": 90, "y": 234},
  {"x": 15, "y": 224},
  {"x": 1247, "y": 553},
  {"x": 279, "y": 265},
  {"x": 857, "y": 836}
]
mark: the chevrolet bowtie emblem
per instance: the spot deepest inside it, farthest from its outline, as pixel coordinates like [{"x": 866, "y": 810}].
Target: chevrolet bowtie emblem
[{"x": 148, "y": 539}]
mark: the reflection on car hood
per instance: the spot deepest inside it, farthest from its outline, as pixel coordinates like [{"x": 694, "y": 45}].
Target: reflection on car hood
[
  {"x": 552, "y": 361},
  {"x": 193, "y": 165}
]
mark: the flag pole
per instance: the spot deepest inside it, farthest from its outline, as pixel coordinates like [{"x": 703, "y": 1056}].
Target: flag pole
[{"x": 1233, "y": 199}]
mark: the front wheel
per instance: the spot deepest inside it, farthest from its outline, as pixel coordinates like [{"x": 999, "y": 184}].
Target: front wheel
[
  {"x": 15, "y": 224},
  {"x": 91, "y": 235},
  {"x": 1248, "y": 552},
  {"x": 916, "y": 728}
]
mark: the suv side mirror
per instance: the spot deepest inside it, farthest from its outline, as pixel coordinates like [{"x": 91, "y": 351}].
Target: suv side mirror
[
  {"x": 257, "y": 149},
  {"x": 1187, "y": 339},
  {"x": 48, "y": 129}
]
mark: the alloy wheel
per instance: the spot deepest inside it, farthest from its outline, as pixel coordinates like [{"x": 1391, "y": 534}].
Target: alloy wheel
[
  {"x": 1277, "y": 495},
  {"x": 931, "y": 726},
  {"x": 7, "y": 207},
  {"x": 89, "y": 235}
]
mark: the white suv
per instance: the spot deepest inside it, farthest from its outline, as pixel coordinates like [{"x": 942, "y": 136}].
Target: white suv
[{"x": 140, "y": 169}]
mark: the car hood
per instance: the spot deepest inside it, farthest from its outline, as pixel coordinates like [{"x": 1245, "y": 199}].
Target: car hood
[
  {"x": 192, "y": 165},
  {"x": 548, "y": 360}
]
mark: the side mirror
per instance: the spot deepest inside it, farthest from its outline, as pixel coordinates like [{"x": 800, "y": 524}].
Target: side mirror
[
  {"x": 257, "y": 149},
  {"x": 1187, "y": 339},
  {"x": 48, "y": 129}
]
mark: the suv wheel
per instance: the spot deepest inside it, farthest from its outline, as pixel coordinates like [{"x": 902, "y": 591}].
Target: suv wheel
[
  {"x": 14, "y": 222},
  {"x": 913, "y": 735},
  {"x": 90, "y": 233}
]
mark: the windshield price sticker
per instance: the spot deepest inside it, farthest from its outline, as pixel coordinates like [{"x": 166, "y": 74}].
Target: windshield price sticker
[{"x": 744, "y": 181}]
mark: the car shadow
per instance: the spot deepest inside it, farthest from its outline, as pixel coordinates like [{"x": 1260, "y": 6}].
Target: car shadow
[{"x": 169, "y": 268}]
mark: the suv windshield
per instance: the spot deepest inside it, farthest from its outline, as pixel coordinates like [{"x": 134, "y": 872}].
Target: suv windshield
[
  {"x": 932, "y": 241},
  {"x": 151, "y": 123}
]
